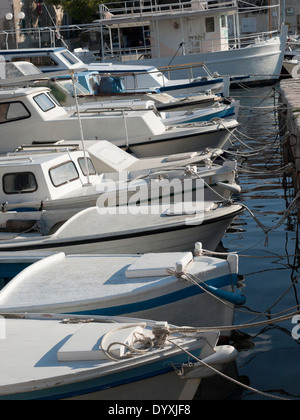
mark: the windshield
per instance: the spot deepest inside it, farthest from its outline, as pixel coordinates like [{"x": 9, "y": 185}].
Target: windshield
[{"x": 71, "y": 59}]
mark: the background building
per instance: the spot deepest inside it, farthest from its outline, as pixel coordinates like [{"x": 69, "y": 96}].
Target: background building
[
  {"x": 17, "y": 17},
  {"x": 292, "y": 15},
  {"x": 38, "y": 19}
]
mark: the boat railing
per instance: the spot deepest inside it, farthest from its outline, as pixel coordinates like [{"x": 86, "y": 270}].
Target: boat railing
[
  {"x": 170, "y": 71},
  {"x": 188, "y": 47},
  {"x": 127, "y": 53},
  {"x": 232, "y": 42},
  {"x": 293, "y": 44},
  {"x": 45, "y": 148},
  {"x": 154, "y": 7},
  {"x": 13, "y": 159},
  {"x": 116, "y": 110},
  {"x": 253, "y": 38}
]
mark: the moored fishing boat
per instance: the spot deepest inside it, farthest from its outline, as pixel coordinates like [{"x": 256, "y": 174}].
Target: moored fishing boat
[
  {"x": 153, "y": 285},
  {"x": 193, "y": 32},
  {"x": 103, "y": 358},
  {"x": 123, "y": 229},
  {"x": 33, "y": 115}
]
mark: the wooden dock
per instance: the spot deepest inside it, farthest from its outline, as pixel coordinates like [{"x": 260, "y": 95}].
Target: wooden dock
[{"x": 289, "y": 119}]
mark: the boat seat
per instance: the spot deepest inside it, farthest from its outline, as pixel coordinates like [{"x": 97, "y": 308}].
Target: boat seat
[
  {"x": 108, "y": 157},
  {"x": 181, "y": 156},
  {"x": 156, "y": 265},
  {"x": 85, "y": 343}
]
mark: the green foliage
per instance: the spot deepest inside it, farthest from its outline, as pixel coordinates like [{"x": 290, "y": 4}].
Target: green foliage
[{"x": 84, "y": 11}]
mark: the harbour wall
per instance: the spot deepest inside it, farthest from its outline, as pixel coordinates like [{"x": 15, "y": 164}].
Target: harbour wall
[{"x": 289, "y": 121}]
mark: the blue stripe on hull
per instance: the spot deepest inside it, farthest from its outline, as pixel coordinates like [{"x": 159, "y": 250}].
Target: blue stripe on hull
[
  {"x": 127, "y": 376},
  {"x": 166, "y": 299},
  {"x": 221, "y": 114},
  {"x": 190, "y": 85}
]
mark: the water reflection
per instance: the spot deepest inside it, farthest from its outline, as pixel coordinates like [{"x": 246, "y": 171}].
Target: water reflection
[{"x": 268, "y": 356}]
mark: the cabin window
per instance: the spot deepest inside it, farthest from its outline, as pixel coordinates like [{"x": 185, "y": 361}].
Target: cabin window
[
  {"x": 19, "y": 183},
  {"x": 210, "y": 24},
  {"x": 13, "y": 111},
  {"x": 70, "y": 57},
  {"x": 38, "y": 61},
  {"x": 63, "y": 174},
  {"x": 44, "y": 102},
  {"x": 91, "y": 168},
  {"x": 50, "y": 94}
]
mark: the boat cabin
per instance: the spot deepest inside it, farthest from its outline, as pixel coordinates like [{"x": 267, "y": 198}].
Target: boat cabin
[
  {"x": 104, "y": 78},
  {"x": 167, "y": 28},
  {"x": 33, "y": 115},
  {"x": 46, "y": 59},
  {"x": 40, "y": 176},
  {"x": 19, "y": 69}
]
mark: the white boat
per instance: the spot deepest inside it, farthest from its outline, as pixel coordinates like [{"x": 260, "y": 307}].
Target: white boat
[
  {"x": 192, "y": 32},
  {"x": 63, "y": 89},
  {"x": 86, "y": 87},
  {"x": 32, "y": 114},
  {"x": 46, "y": 60},
  {"x": 224, "y": 109},
  {"x": 137, "y": 78},
  {"x": 292, "y": 46},
  {"x": 227, "y": 108},
  {"x": 292, "y": 66},
  {"x": 54, "y": 179},
  {"x": 154, "y": 286},
  {"x": 204, "y": 106},
  {"x": 86, "y": 83},
  {"x": 126, "y": 229},
  {"x": 169, "y": 35},
  {"x": 105, "y": 358},
  {"x": 17, "y": 70}
]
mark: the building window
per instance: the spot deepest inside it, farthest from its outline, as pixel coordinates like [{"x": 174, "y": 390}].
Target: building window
[{"x": 210, "y": 24}]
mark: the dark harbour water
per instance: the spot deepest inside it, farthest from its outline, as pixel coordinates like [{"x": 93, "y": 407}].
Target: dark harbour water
[{"x": 269, "y": 356}]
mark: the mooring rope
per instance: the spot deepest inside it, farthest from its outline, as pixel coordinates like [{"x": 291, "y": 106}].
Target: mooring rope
[
  {"x": 161, "y": 336},
  {"x": 223, "y": 375}
]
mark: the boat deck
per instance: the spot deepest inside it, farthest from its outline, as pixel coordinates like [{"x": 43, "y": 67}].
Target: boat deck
[{"x": 60, "y": 279}]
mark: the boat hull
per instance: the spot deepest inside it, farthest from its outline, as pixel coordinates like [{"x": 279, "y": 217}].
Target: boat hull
[
  {"x": 177, "y": 237},
  {"x": 175, "y": 306},
  {"x": 54, "y": 363},
  {"x": 172, "y": 301},
  {"x": 261, "y": 61},
  {"x": 218, "y": 139},
  {"x": 146, "y": 383},
  {"x": 167, "y": 386}
]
